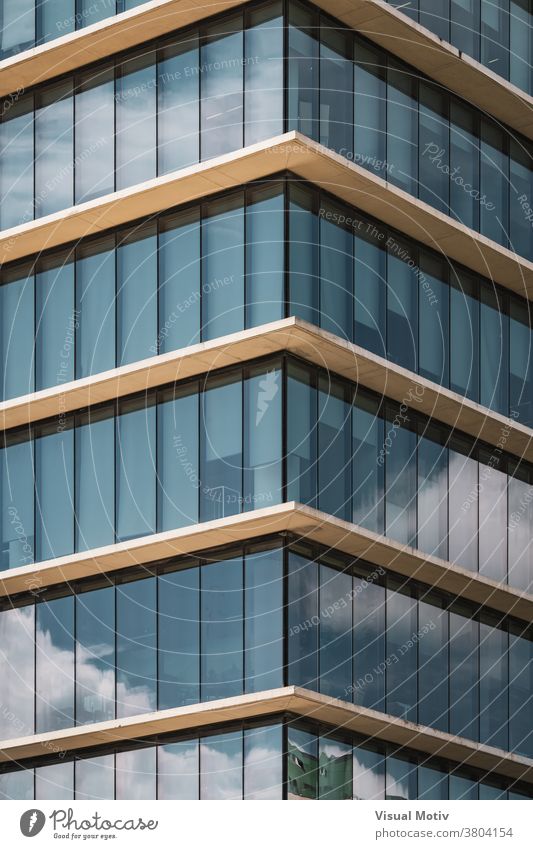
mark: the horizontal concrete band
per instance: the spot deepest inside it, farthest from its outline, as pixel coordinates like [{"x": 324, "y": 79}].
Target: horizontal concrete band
[
  {"x": 295, "y": 336},
  {"x": 305, "y": 703},
  {"x": 306, "y": 159},
  {"x": 373, "y": 18},
  {"x": 304, "y": 523}
]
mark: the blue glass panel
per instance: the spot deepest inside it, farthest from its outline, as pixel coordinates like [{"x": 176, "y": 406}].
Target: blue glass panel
[
  {"x": 54, "y": 498},
  {"x": 336, "y": 272},
  {"x": 18, "y": 540},
  {"x": 335, "y": 612},
  {"x": 16, "y": 164},
  {"x": 303, "y": 622},
  {"x": 464, "y": 676},
  {"x": 222, "y": 629},
  {"x": 302, "y": 764},
  {"x": 136, "y": 104},
  {"x": 401, "y": 674},
  {"x": 222, "y": 88},
  {"x": 368, "y": 774},
  {"x": 263, "y": 73},
  {"x": 17, "y": 325},
  {"x": 95, "y": 480},
  {"x": 55, "y": 781},
  {"x": 401, "y": 779},
  {"x": 179, "y": 282},
  {"x": 179, "y": 639},
  {"x": 137, "y": 295},
  {"x": 301, "y": 436},
  {"x": 95, "y": 307},
  {"x": 223, "y": 267},
  {"x": 178, "y": 475},
  {"x": 369, "y": 645},
  {"x": 336, "y": 89},
  {"x": 370, "y": 111},
  {"x": 334, "y": 473},
  {"x": 304, "y": 255},
  {"x": 56, "y": 323},
  {"x": 303, "y": 69},
  {"x": 54, "y": 661},
  {"x": 17, "y": 669},
  {"x": 221, "y": 766},
  {"x": 54, "y": 141},
  {"x": 135, "y": 776},
  {"x": 493, "y": 685},
  {"x": 221, "y": 449},
  {"x": 334, "y": 769},
  {"x": 368, "y": 465},
  {"x": 95, "y": 656},
  {"x": 263, "y": 762},
  {"x": 265, "y": 255},
  {"x": 178, "y": 770},
  {"x": 178, "y": 87},
  {"x": 136, "y": 649},
  {"x": 432, "y": 665},
  {"x": 95, "y": 135},
  {"x": 520, "y": 694},
  {"x": 263, "y": 620},
  {"x": 135, "y": 471}
]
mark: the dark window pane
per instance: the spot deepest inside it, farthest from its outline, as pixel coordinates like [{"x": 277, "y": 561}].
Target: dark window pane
[
  {"x": 301, "y": 436},
  {"x": 137, "y": 295},
  {"x": 263, "y": 73},
  {"x": 135, "y": 471},
  {"x": 335, "y": 634},
  {"x": 263, "y": 620},
  {"x": 370, "y": 110},
  {"x": 179, "y": 281},
  {"x": 304, "y": 255},
  {"x": 223, "y": 267},
  {"x": 368, "y": 465},
  {"x": 432, "y": 666},
  {"x": 17, "y": 326},
  {"x": 222, "y": 629},
  {"x": 17, "y": 163},
  {"x": 336, "y": 272},
  {"x": 179, "y": 638},
  {"x": 303, "y": 622},
  {"x": 265, "y": 255},
  {"x": 303, "y": 72},
  {"x": 493, "y": 687},
  {"x": 54, "y": 502},
  {"x": 401, "y": 779},
  {"x": 177, "y": 458},
  {"x": 18, "y": 541},
  {"x": 464, "y": 676},
  {"x": 401, "y": 675},
  {"x": 262, "y": 438},
  {"x": 95, "y": 306},
  {"x": 336, "y": 89},
  {"x": 55, "y": 323},
  {"x": 334, "y": 473},
  {"x": 221, "y": 449},
  {"x": 95, "y": 480},
  {"x": 136, "y": 650},
  {"x": 369, "y": 645}
]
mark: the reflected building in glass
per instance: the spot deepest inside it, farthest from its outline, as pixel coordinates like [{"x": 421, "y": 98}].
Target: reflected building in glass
[{"x": 267, "y": 403}]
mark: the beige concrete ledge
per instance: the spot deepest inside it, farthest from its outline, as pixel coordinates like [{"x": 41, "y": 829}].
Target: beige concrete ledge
[
  {"x": 304, "y": 523},
  {"x": 302, "y": 702},
  {"x": 373, "y": 18},
  {"x": 306, "y": 159},
  {"x": 294, "y": 336}
]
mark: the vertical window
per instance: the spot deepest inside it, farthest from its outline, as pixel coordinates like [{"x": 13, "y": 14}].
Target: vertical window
[
  {"x": 520, "y": 531},
  {"x": 18, "y": 540},
  {"x": 56, "y": 322},
  {"x": 400, "y": 482},
  {"x": 178, "y": 770},
  {"x": 495, "y": 36},
  {"x": 462, "y": 787},
  {"x": 462, "y": 506},
  {"x": 432, "y": 493},
  {"x": 55, "y": 781},
  {"x": 370, "y": 110},
  {"x": 520, "y": 44},
  {"x": 368, "y": 464},
  {"x": 432, "y": 664},
  {"x": 54, "y": 139},
  {"x": 54, "y": 497},
  {"x": 465, "y": 26},
  {"x": 402, "y": 303},
  {"x": 17, "y": 784},
  {"x": 402, "y": 115},
  {"x": 368, "y": 644},
  {"x": 434, "y": 146},
  {"x": 49, "y": 12},
  {"x": 368, "y": 774},
  {"x": 178, "y": 475},
  {"x": 302, "y": 764},
  {"x": 520, "y": 190},
  {"x": 95, "y": 656},
  {"x": 494, "y": 185},
  {"x": 16, "y": 164},
  {"x": 263, "y": 73},
  {"x": 17, "y": 328},
  {"x": 179, "y": 638},
  {"x": 301, "y": 435},
  {"x": 334, "y": 478},
  {"x": 303, "y": 70},
  {"x": 136, "y": 774},
  {"x": 492, "y": 517},
  {"x": 434, "y": 310},
  {"x": 18, "y": 28},
  {"x": 178, "y": 90},
  {"x": 336, "y": 88},
  {"x": 435, "y": 15},
  {"x": 95, "y": 307},
  {"x": 401, "y": 780},
  {"x": 179, "y": 281},
  {"x": 520, "y": 362},
  {"x": 265, "y": 255},
  {"x": 136, "y": 104},
  {"x": 136, "y": 650},
  {"x": 263, "y": 762},
  {"x": 17, "y": 668},
  {"x": 222, "y": 629},
  {"x": 95, "y": 479},
  {"x": 401, "y": 676},
  {"x": 464, "y": 334},
  {"x": 223, "y": 267},
  {"x": 137, "y": 295},
  {"x": 54, "y": 678},
  {"x": 222, "y": 88},
  {"x": 432, "y": 783},
  {"x": 334, "y": 769},
  {"x": 92, "y": 11},
  {"x": 263, "y": 620},
  {"x": 336, "y": 272},
  {"x": 304, "y": 255},
  {"x": 464, "y": 675},
  {"x": 135, "y": 469},
  {"x": 303, "y": 622},
  {"x": 370, "y": 289},
  {"x": 493, "y": 685},
  {"x": 335, "y": 638},
  {"x": 95, "y": 777},
  {"x": 494, "y": 353},
  {"x": 221, "y": 449},
  {"x": 520, "y": 692},
  {"x": 221, "y": 766},
  {"x": 95, "y": 135},
  {"x": 465, "y": 201}
]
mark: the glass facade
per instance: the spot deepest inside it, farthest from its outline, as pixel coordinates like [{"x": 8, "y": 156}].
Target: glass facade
[
  {"x": 249, "y": 762},
  {"x": 181, "y": 633},
  {"x": 206, "y": 449},
  {"x": 212, "y": 90},
  {"x": 210, "y": 269},
  {"x": 498, "y": 33}
]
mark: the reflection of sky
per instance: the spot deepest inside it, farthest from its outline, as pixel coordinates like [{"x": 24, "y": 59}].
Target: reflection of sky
[
  {"x": 95, "y": 778},
  {"x": 16, "y": 672},
  {"x": 221, "y": 767},
  {"x": 135, "y": 774},
  {"x": 55, "y": 781}
]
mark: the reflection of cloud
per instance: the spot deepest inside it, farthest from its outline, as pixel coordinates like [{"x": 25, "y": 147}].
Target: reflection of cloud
[
  {"x": 263, "y": 773},
  {"x": 135, "y": 774},
  {"x": 16, "y": 672},
  {"x": 55, "y": 682},
  {"x": 177, "y": 765},
  {"x": 221, "y": 776}
]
